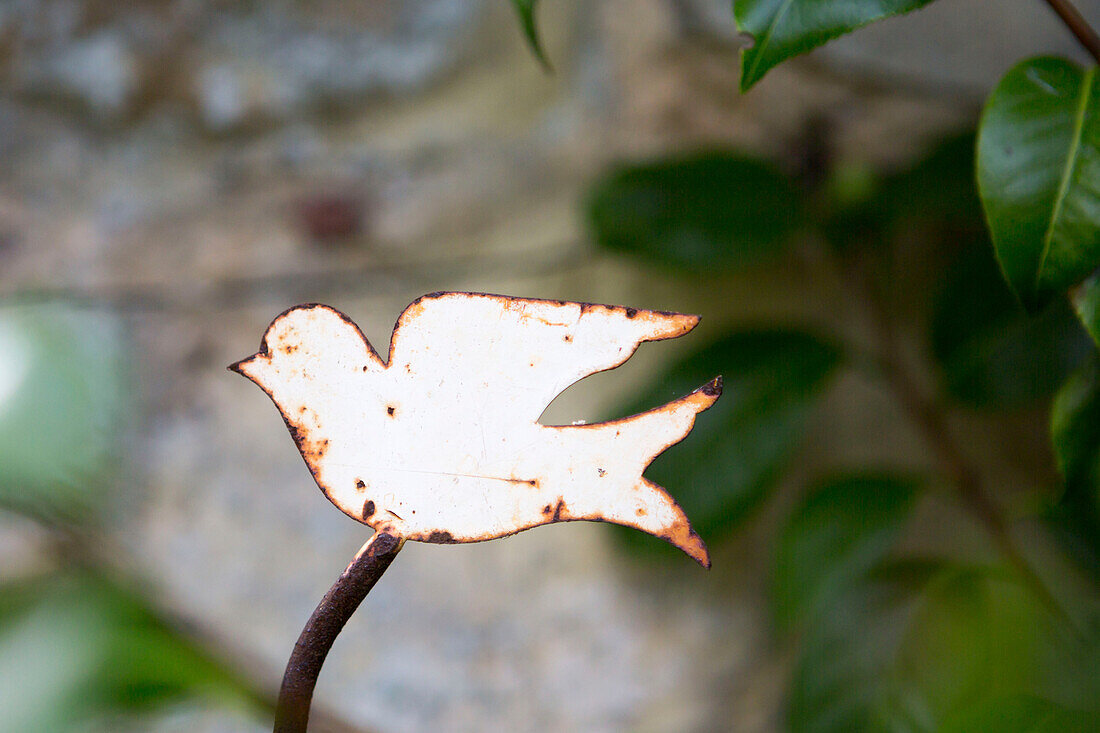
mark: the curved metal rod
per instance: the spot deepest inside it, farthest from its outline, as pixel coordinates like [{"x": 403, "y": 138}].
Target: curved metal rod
[{"x": 334, "y": 610}]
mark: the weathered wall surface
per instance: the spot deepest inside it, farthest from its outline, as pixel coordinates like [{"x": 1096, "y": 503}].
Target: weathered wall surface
[{"x": 203, "y": 165}]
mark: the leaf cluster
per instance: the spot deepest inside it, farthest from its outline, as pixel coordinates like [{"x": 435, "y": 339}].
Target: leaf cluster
[{"x": 886, "y": 639}]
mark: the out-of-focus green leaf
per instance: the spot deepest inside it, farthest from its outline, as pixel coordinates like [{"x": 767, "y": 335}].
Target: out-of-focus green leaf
[
  {"x": 844, "y": 671},
  {"x": 699, "y": 213},
  {"x": 1086, "y": 301},
  {"x": 76, "y": 649},
  {"x": 936, "y": 193},
  {"x": 1039, "y": 176},
  {"x": 939, "y": 187},
  {"x": 739, "y": 448},
  {"x": 63, "y": 407},
  {"x": 785, "y": 28},
  {"x": 842, "y": 529},
  {"x": 991, "y": 354},
  {"x": 911, "y": 646},
  {"x": 1021, "y": 714},
  {"x": 1075, "y": 430},
  {"x": 525, "y": 9}
]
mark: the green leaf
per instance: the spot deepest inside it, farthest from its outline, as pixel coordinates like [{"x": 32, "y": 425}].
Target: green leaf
[
  {"x": 939, "y": 187},
  {"x": 698, "y": 213},
  {"x": 78, "y": 648},
  {"x": 913, "y": 645},
  {"x": 525, "y": 9},
  {"x": 63, "y": 407},
  {"x": 739, "y": 448},
  {"x": 1075, "y": 431},
  {"x": 785, "y": 28},
  {"x": 990, "y": 353},
  {"x": 839, "y": 531},
  {"x": 843, "y": 672},
  {"x": 1039, "y": 176},
  {"x": 1086, "y": 301},
  {"x": 935, "y": 197},
  {"x": 1021, "y": 714}
]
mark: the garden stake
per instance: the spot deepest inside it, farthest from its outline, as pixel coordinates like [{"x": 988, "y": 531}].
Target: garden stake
[{"x": 441, "y": 442}]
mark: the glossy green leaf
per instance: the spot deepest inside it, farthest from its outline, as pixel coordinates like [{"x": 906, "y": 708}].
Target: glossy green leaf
[
  {"x": 1022, "y": 714},
  {"x": 785, "y": 28},
  {"x": 698, "y": 213},
  {"x": 739, "y": 447},
  {"x": 912, "y": 646},
  {"x": 1039, "y": 176},
  {"x": 76, "y": 649},
  {"x": 1086, "y": 301},
  {"x": 1075, "y": 430},
  {"x": 991, "y": 354},
  {"x": 525, "y": 9},
  {"x": 63, "y": 408},
  {"x": 838, "y": 532}
]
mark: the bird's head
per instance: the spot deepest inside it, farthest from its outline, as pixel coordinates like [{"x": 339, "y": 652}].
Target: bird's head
[{"x": 302, "y": 342}]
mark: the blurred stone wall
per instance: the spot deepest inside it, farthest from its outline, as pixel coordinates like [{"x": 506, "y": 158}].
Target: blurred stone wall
[{"x": 201, "y": 165}]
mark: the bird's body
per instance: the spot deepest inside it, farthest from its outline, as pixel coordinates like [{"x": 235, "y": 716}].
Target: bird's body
[{"x": 441, "y": 443}]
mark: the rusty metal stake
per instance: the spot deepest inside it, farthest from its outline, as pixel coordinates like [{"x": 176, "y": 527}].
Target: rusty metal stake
[{"x": 334, "y": 610}]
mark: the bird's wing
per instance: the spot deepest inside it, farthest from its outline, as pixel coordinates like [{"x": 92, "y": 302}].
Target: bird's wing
[{"x": 514, "y": 353}]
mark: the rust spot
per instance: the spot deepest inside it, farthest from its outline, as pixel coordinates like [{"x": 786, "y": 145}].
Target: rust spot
[
  {"x": 547, "y": 509},
  {"x": 390, "y": 410},
  {"x": 600, "y": 472},
  {"x": 391, "y": 511},
  {"x": 359, "y": 485},
  {"x": 533, "y": 481},
  {"x": 290, "y": 348},
  {"x": 366, "y": 368},
  {"x": 440, "y": 537},
  {"x": 558, "y": 510},
  {"x": 631, "y": 312},
  {"x": 368, "y": 510},
  {"x": 408, "y": 369},
  {"x": 713, "y": 388},
  {"x": 640, "y": 511},
  {"x": 302, "y": 410},
  {"x": 567, "y": 338}
]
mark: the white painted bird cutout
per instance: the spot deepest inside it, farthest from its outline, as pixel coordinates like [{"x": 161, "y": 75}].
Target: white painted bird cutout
[{"x": 442, "y": 443}]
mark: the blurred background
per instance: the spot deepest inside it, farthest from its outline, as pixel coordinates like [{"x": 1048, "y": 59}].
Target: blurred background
[{"x": 175, "y": 173}]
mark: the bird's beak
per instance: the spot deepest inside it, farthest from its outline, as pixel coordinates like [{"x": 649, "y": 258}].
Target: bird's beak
[{"x": 247, "y": 367}]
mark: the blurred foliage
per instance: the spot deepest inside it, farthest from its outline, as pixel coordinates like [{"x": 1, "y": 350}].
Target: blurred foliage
[
  {"x": 990, "y": 352},
  {"x": 840, "y": 530},
  {"x": 63, "y": 410},
  {"x": 525, "y": 9},
  {"x": 913, "y": 643},
  {"x": 78, "y": 648},
  {"x": 1039, "y": 176},
  {"x": 884, "y": 640},
  {"x": 1075, "y": 427},
  {"x": 1086, "y": 301},
  {"x": 700, "y": 213}
]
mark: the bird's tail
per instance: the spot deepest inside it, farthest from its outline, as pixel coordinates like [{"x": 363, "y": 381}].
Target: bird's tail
[{"x": 643, "y": 504}]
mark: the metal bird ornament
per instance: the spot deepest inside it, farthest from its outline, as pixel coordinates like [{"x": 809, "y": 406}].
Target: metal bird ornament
[{"x": 441, "y": 442}]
